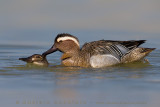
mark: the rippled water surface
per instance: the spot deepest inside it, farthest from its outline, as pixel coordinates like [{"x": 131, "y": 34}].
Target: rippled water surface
[{"x": 25, "y": 85}]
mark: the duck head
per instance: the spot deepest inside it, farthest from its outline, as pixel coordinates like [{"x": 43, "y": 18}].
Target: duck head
[
  {"x": 36, "y": 59},
  {"x": 64, "y": 43}
]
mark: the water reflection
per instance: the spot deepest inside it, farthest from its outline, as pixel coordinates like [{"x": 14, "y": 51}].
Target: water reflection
[{"x": 60, "y": 72}]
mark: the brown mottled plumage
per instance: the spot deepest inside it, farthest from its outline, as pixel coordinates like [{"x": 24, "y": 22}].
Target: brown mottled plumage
[{"x": 97, "y": 54}]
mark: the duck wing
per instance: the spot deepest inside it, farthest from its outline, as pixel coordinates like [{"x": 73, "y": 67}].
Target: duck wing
[
  {"x": 116, "y": 49},
  {"x": 132, "y": 43}
]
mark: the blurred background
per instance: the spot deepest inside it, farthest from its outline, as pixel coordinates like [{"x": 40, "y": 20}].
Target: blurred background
[{"x": 37, "y": 22}]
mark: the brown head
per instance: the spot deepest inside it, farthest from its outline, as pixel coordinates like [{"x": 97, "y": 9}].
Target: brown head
[
  {"x": 36, "y": 59},
  {"x": 65, "y": 43}
]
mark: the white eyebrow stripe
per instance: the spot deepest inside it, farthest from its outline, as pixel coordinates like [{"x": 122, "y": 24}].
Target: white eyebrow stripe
[{"x": 68, "y": 38}]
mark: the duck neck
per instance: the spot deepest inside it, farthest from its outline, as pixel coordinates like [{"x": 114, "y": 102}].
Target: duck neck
[{"x": 71, "y": 53}]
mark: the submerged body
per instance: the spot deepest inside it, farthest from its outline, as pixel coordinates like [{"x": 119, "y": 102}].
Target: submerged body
[
  {"x": 97, "y": 54},
  {"x": 36, "y": 59}
]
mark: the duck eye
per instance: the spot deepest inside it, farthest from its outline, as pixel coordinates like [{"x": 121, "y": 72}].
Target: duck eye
[
  {"x": 38, "y": 57},
  {"x": 60, "y": 41}
]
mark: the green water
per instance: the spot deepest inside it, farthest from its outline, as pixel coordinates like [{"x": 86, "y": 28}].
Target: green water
[{"x": 21, "y": 85}]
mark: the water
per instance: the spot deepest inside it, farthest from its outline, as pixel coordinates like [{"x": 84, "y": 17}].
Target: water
[{"x": 25, "y": 85}]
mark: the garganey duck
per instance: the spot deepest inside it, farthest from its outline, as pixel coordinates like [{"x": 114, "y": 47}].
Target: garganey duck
[
  {"x": 97, "y": 54},
  {"x": 36, "y": 59}
]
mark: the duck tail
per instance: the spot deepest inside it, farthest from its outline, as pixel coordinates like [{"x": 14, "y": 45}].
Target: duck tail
[
  {"x": 147, "y": 50},
  {"x": 136, "y": 54}
]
